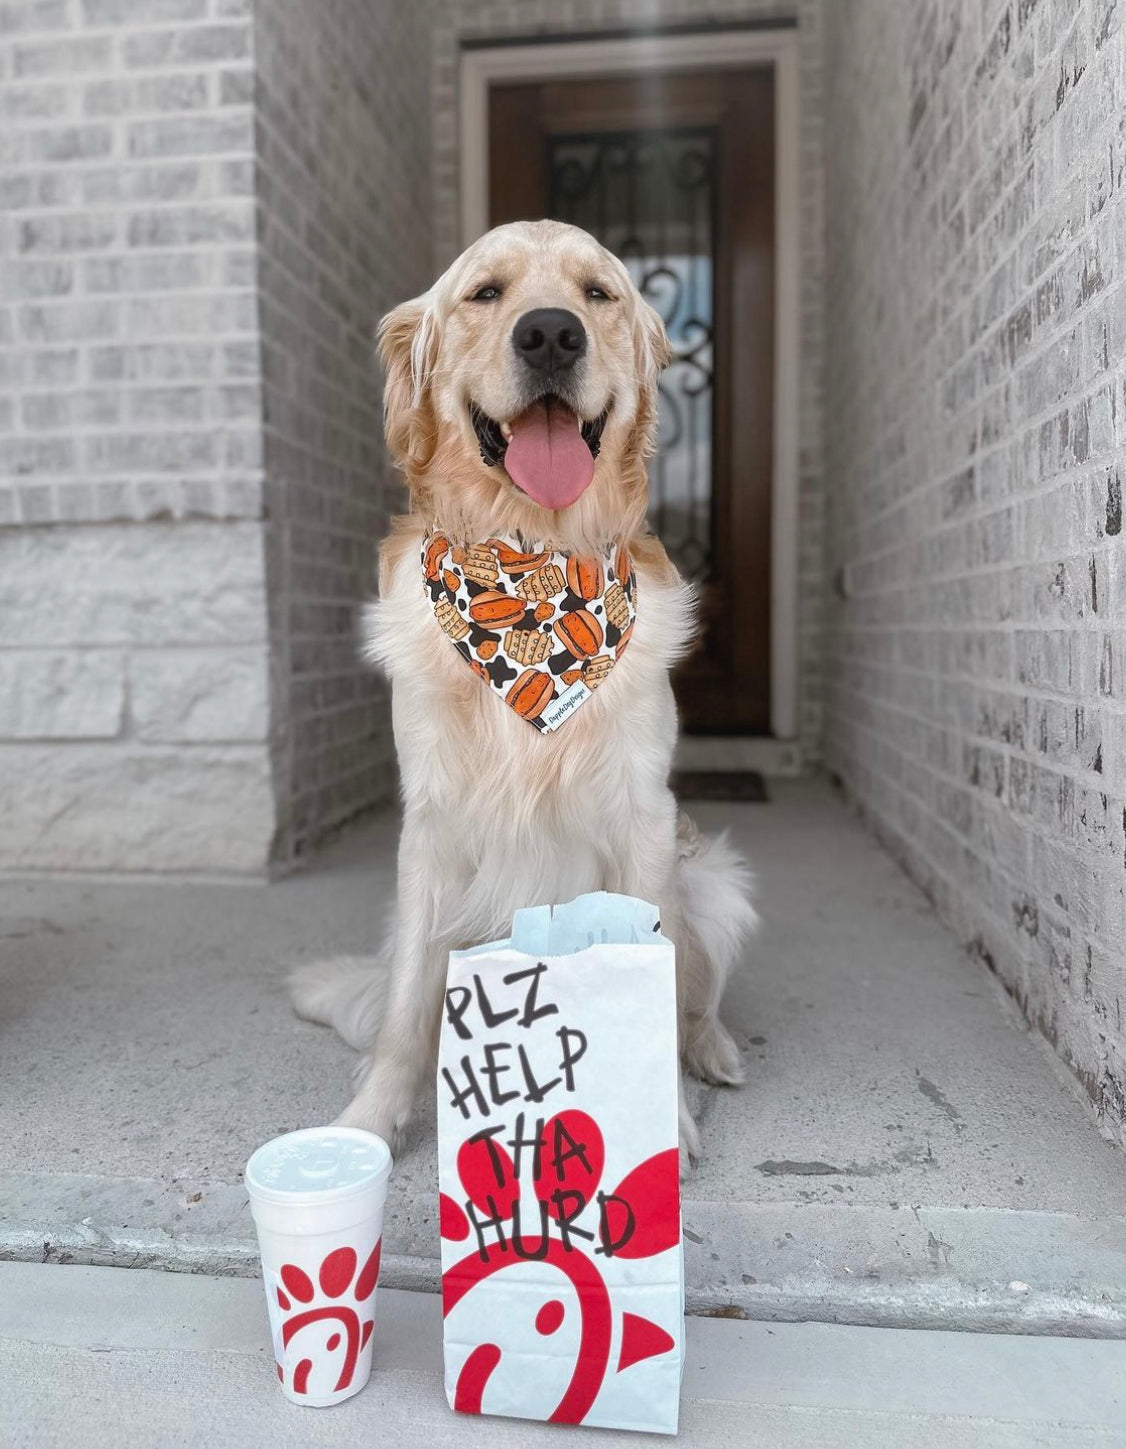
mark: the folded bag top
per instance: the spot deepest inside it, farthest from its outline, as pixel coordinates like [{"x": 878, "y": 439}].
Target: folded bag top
[{"x": 599, "y": 918}]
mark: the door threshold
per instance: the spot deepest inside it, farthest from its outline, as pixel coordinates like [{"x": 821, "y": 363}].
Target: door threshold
[{"x": 739, "y": 752}]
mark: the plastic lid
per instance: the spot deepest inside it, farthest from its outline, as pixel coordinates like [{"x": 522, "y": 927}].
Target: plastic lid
[{"x": 317, "y": 1164}]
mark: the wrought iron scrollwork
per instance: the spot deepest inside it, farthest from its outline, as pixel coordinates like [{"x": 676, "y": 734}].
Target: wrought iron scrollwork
[{"x": 650, "y": 196}]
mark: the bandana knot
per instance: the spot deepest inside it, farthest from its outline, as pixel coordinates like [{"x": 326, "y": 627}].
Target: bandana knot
[{"x": 542, "y": 629}]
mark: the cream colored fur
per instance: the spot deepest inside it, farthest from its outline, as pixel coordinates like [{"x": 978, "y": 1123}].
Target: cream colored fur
[{"x": 495, "y": 815}]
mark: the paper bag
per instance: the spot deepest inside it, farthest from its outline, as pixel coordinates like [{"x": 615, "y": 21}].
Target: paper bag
[{"x": 562, "y": 1271}]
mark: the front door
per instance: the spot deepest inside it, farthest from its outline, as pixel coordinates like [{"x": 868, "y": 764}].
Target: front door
[{"x": 675, "y": 173}]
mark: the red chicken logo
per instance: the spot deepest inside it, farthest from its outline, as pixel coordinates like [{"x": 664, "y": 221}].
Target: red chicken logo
[
  {"x": 575, "y": 1224},
  {"x": 335, "y": 1277}
]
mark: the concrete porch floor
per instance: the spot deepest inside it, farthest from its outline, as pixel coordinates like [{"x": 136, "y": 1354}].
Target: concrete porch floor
[
  {"x": 903, "y": 1153},
  {"x": 186, "y": 1360}
]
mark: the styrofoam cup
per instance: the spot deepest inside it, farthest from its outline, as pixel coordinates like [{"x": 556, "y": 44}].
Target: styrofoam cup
[{"x": 317, "y": 1198}]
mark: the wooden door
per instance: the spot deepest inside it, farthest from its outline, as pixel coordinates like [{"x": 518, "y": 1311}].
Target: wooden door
[{"x": 675, "y": 173}]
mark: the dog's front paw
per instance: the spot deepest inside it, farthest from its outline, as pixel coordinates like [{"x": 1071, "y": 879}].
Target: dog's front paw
[
  {"x": 383, "y": 1124},
  {"x": 689, "y": 1143},
  {"x": 381, "y": 1105},
  {"x": 713, "y": 1056}
]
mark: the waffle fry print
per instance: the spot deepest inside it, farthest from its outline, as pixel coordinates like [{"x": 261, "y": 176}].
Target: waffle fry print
[{"x": 542, "y": 629}]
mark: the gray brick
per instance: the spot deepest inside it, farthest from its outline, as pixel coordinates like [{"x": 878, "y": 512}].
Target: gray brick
[
  {"x": 55, "y": 188},
  {"x": 80, "y": 232},
  {"x": 16, "y": 192},
  {"x": 70, "y": 321},
  {"x": 35, "y": 503},
  {"x": 176, "y": 181},
  {"x": 188, "y": 225},
  {"x": 236, "y": 87},
  {"x": 20, "y": 457},
  {"x": 152, "y": 362},
  {"x": 43, "y": 412},
  {"x": 151, "y": 12},
  {"x": 189, "y": 313},
  {"x": 200, "y": 44},
  {"x": 179, "y": 404},
  {"x": 165, "y": 93},
  {"x": 68, "y": 143},
  {"x": 189, "y": 136},
  {"x": 62, "y": 57},
  {"x": 25, "y": 16},
  {"x": 56, "y": 367},
  {"x": 158, "y": 452},
  {"x": 21, "y": 280},
  {"x": 33, "y": 102},
  {"x": 163, "y": 272}
]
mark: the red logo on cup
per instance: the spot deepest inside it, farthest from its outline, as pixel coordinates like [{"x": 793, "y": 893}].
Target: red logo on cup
[{"x": 346, "y": 1291}]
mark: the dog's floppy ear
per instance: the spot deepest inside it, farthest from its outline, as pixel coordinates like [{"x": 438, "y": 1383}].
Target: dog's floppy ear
[
  {"x": 653, "y": 354},
  {"x": 654, "y": 351},
  {"x": 408, "y": 349}
]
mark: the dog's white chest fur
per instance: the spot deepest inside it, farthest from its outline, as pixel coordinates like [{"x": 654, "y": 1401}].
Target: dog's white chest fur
[{"x": 511, "y": 817}]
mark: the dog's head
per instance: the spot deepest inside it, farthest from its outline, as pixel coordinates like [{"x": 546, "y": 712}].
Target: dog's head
[{"x": 521, "y": 390}]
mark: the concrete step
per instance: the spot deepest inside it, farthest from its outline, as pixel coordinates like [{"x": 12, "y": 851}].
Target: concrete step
[
  {"x": 182, "y": 1360},
  {"x": 903, "y": 1153}
]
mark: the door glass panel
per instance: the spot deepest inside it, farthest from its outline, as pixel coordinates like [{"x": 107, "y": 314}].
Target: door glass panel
[{"x": 650, "y": 197}]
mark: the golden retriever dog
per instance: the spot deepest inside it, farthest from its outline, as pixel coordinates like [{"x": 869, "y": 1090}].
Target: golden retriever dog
[{"x": 521, "y": 406}]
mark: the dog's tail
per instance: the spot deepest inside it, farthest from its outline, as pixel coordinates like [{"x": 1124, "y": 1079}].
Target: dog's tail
[
  {"x": 348, "y": 993},
  {"x": 716, "y": 886}
]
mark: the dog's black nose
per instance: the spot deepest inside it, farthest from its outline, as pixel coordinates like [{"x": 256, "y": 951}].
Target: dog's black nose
[{"x": 549, "y": 339}]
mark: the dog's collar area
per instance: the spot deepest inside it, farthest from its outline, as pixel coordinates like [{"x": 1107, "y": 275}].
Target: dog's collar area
[
  {"x": 541, "y": 628},
  {"x": 493, "y": 444}
]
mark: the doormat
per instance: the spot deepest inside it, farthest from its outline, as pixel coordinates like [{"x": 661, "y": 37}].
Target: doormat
[{"x": 743, "y": 785}]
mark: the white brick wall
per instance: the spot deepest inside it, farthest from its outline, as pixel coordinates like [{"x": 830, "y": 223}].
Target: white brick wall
[
  {"x": 132, "y": 583},
  {"x": 128, "y": 324},
  {"x": 203, "y": 210},
  {"x": 458, "y": 20},
  {"x": 975, "y": 425}
]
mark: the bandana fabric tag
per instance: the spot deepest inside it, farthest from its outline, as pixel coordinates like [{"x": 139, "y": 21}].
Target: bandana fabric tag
[{"x": 541, "y": 629}]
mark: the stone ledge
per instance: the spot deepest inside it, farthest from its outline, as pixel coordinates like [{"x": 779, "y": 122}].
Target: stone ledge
[{"x": 976, "y": 1270}]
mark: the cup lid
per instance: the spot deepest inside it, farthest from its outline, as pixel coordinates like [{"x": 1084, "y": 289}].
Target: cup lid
[{"x": 317, "y": 1164}]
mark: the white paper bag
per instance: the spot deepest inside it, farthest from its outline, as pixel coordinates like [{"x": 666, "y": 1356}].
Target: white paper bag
[{"x": 562, "y": 1270}]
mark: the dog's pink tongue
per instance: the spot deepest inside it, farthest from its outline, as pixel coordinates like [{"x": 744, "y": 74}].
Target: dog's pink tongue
[{"x": 546, "y": 455}]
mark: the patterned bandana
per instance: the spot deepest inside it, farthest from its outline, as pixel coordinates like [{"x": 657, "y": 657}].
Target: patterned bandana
[{"x": 543, "y": 629}]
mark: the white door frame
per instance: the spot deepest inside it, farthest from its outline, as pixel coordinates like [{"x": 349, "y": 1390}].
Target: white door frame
[{"x": 704, "y": 50}]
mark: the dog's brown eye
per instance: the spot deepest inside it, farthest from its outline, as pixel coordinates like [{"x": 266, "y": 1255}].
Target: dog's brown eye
[
  {"x": 486, "y": 294},
  {"x": 597, "y": 294}
]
